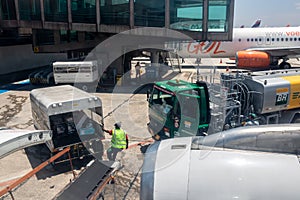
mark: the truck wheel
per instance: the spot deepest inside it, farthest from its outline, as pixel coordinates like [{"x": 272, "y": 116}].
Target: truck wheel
[
  {"x": 296, "y": 119},
  {"x": 285, "y": 65},
  {"x": 51, "y": 81}
]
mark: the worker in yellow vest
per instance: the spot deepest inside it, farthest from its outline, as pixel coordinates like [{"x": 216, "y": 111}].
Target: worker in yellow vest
[{"x": 119, "y": 141}]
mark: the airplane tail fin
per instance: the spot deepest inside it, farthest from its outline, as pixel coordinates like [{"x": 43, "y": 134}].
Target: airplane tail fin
[{"x": 256, "y": 24}]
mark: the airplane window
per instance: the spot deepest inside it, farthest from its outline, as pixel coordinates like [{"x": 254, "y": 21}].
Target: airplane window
[
  {"x": 282, "y": 39},
  {"x": 298, "y": 39},
  {"x": 260, "y": 39},
  {"x": 255, "y": 39},
  {"x": 295, "y": 39},
  {"x": 277, "y": 39},
  {"x": 268, "y": 39},
  {"x": 286, "y": 39},
  {"x": 273, "y": 39},
  {"x": 240, "y": 39},
  {"x": 247, "y": 39},
  {"x": 251, "y": 39},
  {"x": 291, "y": 39}
]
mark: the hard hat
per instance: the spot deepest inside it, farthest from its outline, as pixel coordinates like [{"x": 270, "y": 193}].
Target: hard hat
[
  {"x": 252, "y": 115},
  {"x": 118, "y": 124}
]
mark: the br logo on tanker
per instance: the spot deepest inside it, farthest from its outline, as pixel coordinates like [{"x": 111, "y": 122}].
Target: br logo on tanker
[{"x": 282, "y": 95}]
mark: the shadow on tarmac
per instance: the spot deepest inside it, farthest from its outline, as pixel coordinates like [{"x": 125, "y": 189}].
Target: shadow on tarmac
[{"x": 40, "y": 153}]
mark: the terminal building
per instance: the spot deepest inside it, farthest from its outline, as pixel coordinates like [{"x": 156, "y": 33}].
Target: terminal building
[{"x": 75, "y": 27}]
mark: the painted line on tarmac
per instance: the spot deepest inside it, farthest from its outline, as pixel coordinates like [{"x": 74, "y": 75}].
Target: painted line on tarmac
[{"x": 13, "y": 86}]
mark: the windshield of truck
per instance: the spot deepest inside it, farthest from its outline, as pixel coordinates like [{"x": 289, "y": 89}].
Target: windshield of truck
[
  {"x": 163, "y": 98},
  {"x": 193, "y": 104},
  {"x": 189, "y": 106}
]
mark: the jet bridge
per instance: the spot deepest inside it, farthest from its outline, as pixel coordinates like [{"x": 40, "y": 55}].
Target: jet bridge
[{"x": 12, "y": 140}]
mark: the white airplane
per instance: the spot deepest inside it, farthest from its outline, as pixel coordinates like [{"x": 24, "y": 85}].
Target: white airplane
[{"x": 253, "y": 48}]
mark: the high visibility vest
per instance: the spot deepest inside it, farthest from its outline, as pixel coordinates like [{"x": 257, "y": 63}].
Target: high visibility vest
[{"x": 118, "y": 139}]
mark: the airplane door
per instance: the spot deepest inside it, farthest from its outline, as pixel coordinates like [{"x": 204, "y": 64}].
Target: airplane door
[
  {"x": 268, "y": 40},
  {"x": 260, "y": 40}
]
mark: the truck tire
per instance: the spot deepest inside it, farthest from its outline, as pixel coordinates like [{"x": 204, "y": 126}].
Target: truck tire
[
  {"x": 51, "y": 81},
  {"x": 296, "y": 119},
  {"x": 284, "y": 65}
]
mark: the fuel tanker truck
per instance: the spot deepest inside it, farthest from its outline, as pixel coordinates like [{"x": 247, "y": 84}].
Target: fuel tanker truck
[{"x": 178, "y": 108}]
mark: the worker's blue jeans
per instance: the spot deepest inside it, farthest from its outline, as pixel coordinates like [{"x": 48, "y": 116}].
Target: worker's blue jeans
[{"x": 112, "y": 153}]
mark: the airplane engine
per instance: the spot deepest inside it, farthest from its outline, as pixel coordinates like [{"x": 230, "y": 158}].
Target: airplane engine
[
  {"x": 252, "y": 60},
  {"x": 257, "y": 162}
]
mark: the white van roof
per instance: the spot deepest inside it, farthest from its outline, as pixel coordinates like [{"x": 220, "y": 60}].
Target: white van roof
[{"x": 64, "y": 98}]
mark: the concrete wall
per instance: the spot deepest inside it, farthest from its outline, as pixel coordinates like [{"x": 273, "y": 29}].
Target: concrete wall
[{"x": 21, "y": 58}]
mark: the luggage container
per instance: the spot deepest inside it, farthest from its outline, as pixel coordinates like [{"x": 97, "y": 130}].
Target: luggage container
[{"x": 74, "y": 116}]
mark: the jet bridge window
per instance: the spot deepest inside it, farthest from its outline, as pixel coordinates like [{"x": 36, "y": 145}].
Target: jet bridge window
[
  {"x": 186, "y": 15},
  {"x": 148, "y": 13},
  {"x": 217, "y": 15}
]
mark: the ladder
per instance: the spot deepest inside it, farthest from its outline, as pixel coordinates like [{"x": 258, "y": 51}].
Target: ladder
[{"x": 225, "y": 105}]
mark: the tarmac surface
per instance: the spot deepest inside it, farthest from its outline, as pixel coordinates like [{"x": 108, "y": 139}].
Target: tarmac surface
[{"x": 126, "y": 103}]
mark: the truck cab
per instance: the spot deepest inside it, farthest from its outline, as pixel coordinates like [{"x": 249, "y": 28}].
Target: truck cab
[{"x": 178, "y": 109}]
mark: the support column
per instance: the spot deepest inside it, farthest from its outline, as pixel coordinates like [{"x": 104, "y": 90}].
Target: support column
[
  {"x": 155, "y": 63},
  {"x": 154, "y": 57},
  {"x": 230, "y": 15},
  {"x": 69, "y": 14},
  {"x": 131, "y": 8},
  {"x": 167, "y": 13},
  {"x": 205, "y": 20},
  {"x": 98, "y": 14},
  {"x": 17, "y": 12},
  {"x": 42, "y": 13}
]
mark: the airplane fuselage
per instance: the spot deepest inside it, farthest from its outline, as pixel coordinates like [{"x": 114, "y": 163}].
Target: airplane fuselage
[{"x": 243, "y": 39}]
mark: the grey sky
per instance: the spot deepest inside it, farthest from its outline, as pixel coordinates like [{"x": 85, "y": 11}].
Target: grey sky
[{"x": 271, "y": 12}]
